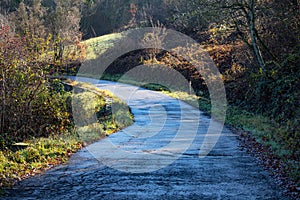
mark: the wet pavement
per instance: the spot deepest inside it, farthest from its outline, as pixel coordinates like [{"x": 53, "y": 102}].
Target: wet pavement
[{"x": 167, "y": 154}]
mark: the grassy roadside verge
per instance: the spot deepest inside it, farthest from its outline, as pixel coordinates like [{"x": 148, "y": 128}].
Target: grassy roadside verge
[{"x": 39, "y": 154}]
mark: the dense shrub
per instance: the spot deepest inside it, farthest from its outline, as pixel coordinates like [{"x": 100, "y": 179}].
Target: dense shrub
[
  {"x": 29, "y": 106},
  {"x": 276, "y": 92}
]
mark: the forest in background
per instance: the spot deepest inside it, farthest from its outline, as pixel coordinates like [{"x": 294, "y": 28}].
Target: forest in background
[{"x": 255, "y": 45}]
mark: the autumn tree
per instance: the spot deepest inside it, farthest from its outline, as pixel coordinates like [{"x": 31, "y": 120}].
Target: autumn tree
[
  {"x": 30, "y": 19},
  {"x": 60, "y": 21},
  {"x": 29, "y": 106},
  {"x": 63, "y": 24}
]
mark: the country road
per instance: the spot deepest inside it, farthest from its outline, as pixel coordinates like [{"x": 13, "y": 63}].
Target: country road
[{"x": 159, "y": 157}]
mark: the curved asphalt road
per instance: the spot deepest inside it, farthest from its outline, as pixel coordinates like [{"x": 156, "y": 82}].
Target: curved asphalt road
[{"x": 149, "y": 160}]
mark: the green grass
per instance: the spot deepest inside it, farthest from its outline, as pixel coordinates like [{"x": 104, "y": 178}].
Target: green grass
[
  {"x": 99, "y": 45},
  {"x": 107, "y": 124},
  {"x": 38, "y": 154}
]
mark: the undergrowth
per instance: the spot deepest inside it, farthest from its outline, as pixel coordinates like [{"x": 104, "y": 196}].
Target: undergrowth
[{"x": 38, "y": 154}]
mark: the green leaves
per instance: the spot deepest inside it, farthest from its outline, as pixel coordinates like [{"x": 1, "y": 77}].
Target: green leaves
[{"x": 30, "y": 104}]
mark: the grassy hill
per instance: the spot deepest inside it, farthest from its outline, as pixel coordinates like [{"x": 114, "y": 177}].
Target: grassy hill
[{"x": 98, "y": 45}]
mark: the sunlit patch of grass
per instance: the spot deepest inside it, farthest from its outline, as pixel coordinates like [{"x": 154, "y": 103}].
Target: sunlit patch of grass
[
  {"x": 198, "y": 102},
  {"x": 156, "y": 87},
  {"x": 40, "y": 154},
  {"x": 90, "y": 133},
  {"x": 98, "y": 45},
  {"x": 109, "y": 121}
]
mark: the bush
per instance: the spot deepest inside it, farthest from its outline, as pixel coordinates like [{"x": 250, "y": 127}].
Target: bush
[{"x": 30, "y": 106}]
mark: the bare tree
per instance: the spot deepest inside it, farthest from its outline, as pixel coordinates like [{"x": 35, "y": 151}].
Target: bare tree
[
  {"x": 243, "y": 14},
  {"x": 64, "y": 24}
]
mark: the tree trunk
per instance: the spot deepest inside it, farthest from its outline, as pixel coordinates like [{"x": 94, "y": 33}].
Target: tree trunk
[
  {"x": 3, "y": 110},
  {"x": 255, "y": 48}
]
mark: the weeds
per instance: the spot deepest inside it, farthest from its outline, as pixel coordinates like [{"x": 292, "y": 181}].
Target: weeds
[{"x": 40, "y": 154}]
